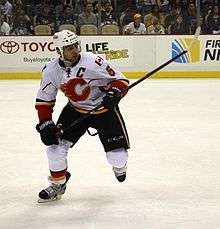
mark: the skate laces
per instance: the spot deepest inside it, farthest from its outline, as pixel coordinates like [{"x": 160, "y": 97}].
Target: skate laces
[
  {"x": 55, "y": 189},
  {"x": 120, "y": 171}
]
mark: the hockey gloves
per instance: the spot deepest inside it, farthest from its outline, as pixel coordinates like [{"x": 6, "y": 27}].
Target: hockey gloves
[
  {"x": 111, "y": 99},
  {"x": 48, "y": 132}
]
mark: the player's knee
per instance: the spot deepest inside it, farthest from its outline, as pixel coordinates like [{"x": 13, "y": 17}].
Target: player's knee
[
  {"x": 57, "y": 155},
  {"x": 118, "y": 157},
  {"x": 58, "y": 151}
]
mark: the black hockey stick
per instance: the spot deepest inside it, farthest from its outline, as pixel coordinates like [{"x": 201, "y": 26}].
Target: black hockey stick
[{"x": 196, "y": 35}]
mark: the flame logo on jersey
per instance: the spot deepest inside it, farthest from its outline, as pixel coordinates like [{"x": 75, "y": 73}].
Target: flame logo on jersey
[
  {"x": 76, "y": 89},
  {"x": 192, "y": 56}
]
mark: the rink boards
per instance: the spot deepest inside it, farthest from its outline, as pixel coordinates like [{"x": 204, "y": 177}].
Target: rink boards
[{"x": 23, "y": 57}]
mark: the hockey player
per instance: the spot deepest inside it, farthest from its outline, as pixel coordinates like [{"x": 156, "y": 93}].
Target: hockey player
[{"x": 87, "y": 80}]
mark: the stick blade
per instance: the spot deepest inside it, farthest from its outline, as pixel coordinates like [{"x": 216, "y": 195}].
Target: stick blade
[
  {"x": 195, "y": 38},
  {"x": 197, "y": 33}
]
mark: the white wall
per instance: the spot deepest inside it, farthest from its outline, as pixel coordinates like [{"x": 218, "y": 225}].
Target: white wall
[{"x": 128, "y": 53}]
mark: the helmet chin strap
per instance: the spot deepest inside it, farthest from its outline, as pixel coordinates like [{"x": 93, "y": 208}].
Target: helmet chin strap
[{"x": 67, "y": 63}]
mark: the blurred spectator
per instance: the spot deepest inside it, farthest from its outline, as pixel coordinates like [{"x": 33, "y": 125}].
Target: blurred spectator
[
  {"x": 4, "y": 26},
  {"x": 192, "y": 27},
  {"x": 59, "y": 7},
  {"x": 178, "y": 27},
  {"x": 87, "y": 16},
  {"x": 45, "y": 17},
  {"x": 120, "y": 6},
  {"x": 174, "y": 3},
  {"x": 145, "y": 6},
  {"x": 39, "y": 7},
  {"x": 6, "y": 7},
  {"x": 170, "y": 19},
  {"x": 203, "y": 25},
  {"x": 79, "y": 6},
  {"x": 127, "y": 16},
  {"x": 107, "y": 15},
  {"x": 30, "y": 11},
  {"x": 21, "y": 23},
  {"x": 181, "y": 7},
  {"x": 47, "y": 2},
  {"x": 164, "y": 6},
  {"x": 18, "y": 3},
  {"x": 213, "y": 20},
  {"x": 69, "y": 2},
  {"x": 135, "y": 27},
  {"x": 207, "y": 6},
  {"x": 155, "y": 12},
  {"x": 191, "y": 17},
  {"x": 57, "y": 2},
  {"x": 156, "y": 27},
  {"x": 99, "y": 5},
  {"x": 67, "y": 16}
]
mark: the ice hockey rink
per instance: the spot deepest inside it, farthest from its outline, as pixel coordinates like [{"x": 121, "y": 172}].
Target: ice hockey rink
[{"x": 173, "y": 178}]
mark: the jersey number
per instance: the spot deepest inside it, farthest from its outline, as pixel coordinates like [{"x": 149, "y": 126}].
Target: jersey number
[{"x": 99, "y": 60}]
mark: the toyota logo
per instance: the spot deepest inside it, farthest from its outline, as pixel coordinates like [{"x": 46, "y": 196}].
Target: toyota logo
[{"x": 9, "y": 47}]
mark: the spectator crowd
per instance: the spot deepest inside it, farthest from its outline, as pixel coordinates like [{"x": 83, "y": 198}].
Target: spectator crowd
[{"x": 44, "y": 17}]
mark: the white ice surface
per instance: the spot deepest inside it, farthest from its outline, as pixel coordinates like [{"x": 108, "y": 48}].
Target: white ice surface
[{"x": 173, "y": 178}]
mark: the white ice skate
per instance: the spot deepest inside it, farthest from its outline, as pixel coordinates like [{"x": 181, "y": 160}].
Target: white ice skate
[{"x": 53, "y": 192}]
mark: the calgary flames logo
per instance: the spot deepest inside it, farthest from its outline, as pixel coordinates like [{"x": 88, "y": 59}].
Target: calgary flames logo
[{"x": 76, "y": 89}]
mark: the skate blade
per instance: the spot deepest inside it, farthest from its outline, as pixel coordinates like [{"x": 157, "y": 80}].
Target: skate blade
[{"x": 49, "y": 200}]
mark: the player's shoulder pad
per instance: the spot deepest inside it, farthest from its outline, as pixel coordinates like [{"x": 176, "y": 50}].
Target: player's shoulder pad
[
  {"x": 87, "y": 55},
  {"x": 93, "y": 60},
  {"x": 50, "y": 67}
]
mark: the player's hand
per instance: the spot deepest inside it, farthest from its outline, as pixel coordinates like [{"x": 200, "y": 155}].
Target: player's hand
[
  {"x": 111, "y": 99},
  {"x": 48, "y": 132}
]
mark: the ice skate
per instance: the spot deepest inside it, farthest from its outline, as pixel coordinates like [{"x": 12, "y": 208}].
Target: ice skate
[
  {"x": 120, "y": 173},
  {"x": 53, "y": 192}
]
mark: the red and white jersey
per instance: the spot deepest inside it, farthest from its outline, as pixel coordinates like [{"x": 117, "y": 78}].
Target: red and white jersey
[{"x": 90, "y": 76}]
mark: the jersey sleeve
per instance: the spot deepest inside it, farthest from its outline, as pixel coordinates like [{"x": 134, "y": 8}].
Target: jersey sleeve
[
  {"x": 46, "y": 96},
  {"x": 111, "y": 77}
]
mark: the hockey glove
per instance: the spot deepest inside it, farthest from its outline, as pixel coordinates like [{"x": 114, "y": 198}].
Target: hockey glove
[
  {"x": 48, "y": 132},
  {"x": 111, "y": 99}
]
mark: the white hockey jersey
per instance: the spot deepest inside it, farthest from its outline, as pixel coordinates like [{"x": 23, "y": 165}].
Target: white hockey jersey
[{"x": 89, "y": 76}]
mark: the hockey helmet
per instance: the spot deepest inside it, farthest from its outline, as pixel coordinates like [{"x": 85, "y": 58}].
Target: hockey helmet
[{"x": 65, "y": 38}]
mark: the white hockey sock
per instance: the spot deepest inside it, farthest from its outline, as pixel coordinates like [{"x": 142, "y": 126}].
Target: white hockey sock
[{"x": 118, "y": 157}]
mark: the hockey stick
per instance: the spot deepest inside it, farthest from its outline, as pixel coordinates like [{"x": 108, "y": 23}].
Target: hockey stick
[{"x": 196, "y": 35}]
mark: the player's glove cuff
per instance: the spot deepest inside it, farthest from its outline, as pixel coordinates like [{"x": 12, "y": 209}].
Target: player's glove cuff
[
  {"x": 44, "y": 124},
  {"x": 48, "y": 132},
  {"x": 112, "y": 98}
]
